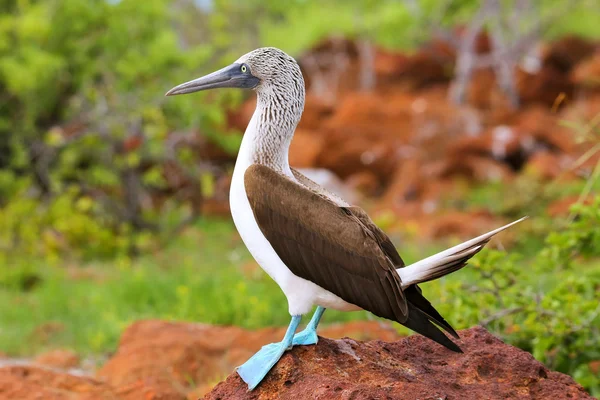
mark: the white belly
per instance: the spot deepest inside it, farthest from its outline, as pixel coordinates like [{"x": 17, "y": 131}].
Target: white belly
[{"x": 302, "y": 294}]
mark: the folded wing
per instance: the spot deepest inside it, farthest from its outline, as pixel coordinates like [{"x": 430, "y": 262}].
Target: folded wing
[{"x": 324, "y": 243}]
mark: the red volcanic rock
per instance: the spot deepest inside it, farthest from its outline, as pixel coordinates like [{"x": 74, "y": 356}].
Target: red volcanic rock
[
  {"x": 59, "y": 358},
  {"x": 33, "y": 383},
  {"x": 364, "y": 133},
  {"x": 565, "y": 53},
  {"x": 543, "y": 126},
  {"x": 548, "y": 166},
  {"x": 407, "y": 184},
  {"x": 386, "y": 65},
  {"x": 472, "y": 167},
  {"x": 587, "y": 73},
  {"x": 175, "y": 353},
  {"x": 364, "y": 182},
  {"x": 481, "y": 87},
  {"x": 461, "y": 224},
  {"x": 305, "y": 149},
  {"x": 424, "y": 68},
  {"x": 482, "y": 43},
  {"x": 332, "y": 66},
  {"x": 497, "y": 142},
  {"x": 411, "y": 368},
  {"x": 361, "y": 330},
  {"x": 548, "y": 86},
  {"x": 183, "y": 358},
  {"x": 562, "y": 207},
  {"x": 316, "y": 112},
  {"x": 553, "y": 84},
  {"x": 239, "y": 118}
]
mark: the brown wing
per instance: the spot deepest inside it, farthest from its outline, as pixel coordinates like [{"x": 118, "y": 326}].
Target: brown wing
[
  {"x": 384, "y": 241},
  {"x": 421, "y": 312},
  {"x": 326, "y": 244}
]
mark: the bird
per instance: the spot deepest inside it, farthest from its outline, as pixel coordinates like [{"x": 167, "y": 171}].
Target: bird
[{"x": 319, "y": 249}]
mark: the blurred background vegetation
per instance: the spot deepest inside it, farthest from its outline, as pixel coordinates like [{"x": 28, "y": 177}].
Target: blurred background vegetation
[{"x": 110, "y": 192}]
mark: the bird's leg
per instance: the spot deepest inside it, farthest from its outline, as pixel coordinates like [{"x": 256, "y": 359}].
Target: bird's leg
[
  {"x": 256, "y": 368},
  {"x": 309, "y": 334}
]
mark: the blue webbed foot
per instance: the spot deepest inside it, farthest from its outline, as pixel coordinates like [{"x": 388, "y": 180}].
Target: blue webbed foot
[
  {"x": 306, "y": 337},
  {"x": 309, "y": 335},
  {"x": 258, "y": 366}
]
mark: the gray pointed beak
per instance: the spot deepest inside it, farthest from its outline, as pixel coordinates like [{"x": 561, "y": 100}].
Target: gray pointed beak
[{"x": 228, "y": 77}]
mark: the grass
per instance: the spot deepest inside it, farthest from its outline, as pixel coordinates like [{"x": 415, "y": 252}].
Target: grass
[{"x": 206, "y": 275}]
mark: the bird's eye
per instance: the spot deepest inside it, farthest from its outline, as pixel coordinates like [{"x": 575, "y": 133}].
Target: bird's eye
[{"x": 244, "y": 68}]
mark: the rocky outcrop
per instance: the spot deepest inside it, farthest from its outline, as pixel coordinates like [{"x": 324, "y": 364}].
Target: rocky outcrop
[
  {"x": 402, "y": 141},
  {"x": 411, "y": 368},
  {"x": 28, "y": 382},
  {"x": 59, "y": 358},
  {"x": 188, "y": 359},
  {"x": 156, "y": 360},
  {"x": 159, "y": 360}
]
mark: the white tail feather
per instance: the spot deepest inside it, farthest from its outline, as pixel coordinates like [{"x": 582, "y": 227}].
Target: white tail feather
[{"x": 447, "y": 261}]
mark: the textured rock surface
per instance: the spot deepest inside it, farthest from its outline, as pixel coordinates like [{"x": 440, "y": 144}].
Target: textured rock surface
[
  {"x": 411, "y": 368},
  {"x": 156, "y": 360},
  {"x": 27, "y": 382},
  {"x": 184, "y": 358},
  {"x": 160, "y": 360},
  {"x": 59, "y": 358}
]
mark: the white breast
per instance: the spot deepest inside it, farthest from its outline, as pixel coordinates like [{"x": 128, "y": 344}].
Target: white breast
[{"x": 302, "y": 294}]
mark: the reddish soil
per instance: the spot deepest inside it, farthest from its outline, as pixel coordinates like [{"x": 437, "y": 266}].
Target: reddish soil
[
  {"x": 411, "y": 368},
  {"x": 405, "y": 144},
  {"x": 159, "y": 360}
]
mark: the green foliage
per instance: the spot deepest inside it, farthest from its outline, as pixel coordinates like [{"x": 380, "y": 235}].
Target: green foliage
[
  {"x": 545, "y": 302},
  {"x": 70, "y": 223},
  {"x": 88, "y": 308},
  {"x": 580, "y": 19},
  {"x": 79, "y": 81},
  {"x": 580, "y": 239}
]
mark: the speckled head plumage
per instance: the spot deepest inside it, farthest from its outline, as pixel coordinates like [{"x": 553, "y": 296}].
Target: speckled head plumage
[
  {"x": 273, "y": 67},
  {"x": 267, "y": 70},
  {"x": 278, "y": 82},
  {"x": 280, "y": 102}
]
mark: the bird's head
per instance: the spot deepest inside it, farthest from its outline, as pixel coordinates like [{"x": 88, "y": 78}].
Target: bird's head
[{"x": 261, "y": 69}]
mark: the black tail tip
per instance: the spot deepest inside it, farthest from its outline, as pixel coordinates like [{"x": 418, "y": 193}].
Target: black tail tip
[{"x": 450, "y": 345}]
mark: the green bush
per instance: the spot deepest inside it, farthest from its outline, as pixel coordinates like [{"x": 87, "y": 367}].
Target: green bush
[
  {"x": 545, "y": 302},
  {"x": 80, "y": 81}
]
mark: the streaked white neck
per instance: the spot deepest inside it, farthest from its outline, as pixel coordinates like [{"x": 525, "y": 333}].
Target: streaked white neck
[
  {"x": 269, "y": 134},
  {"x": 266, "y": 141}
]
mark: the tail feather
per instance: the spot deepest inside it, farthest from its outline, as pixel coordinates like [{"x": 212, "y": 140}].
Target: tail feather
[
  {"x": 419, "y": 322},
  {"x": 447, "y": 261},
  {"x": 422, "y": 317},
  {"x": 415, "y": 297}
]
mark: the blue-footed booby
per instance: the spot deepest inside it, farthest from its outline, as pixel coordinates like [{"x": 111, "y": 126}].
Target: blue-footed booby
[{"x": 319, "y": 249}]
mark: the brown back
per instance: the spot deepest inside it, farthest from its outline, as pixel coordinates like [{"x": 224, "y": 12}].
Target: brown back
[{"x": 329, "y": 245}]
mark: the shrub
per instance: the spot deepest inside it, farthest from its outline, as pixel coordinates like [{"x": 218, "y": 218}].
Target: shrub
[
  {"x": 84, "y": 123},
  {"x": 546, "y": 302}
]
